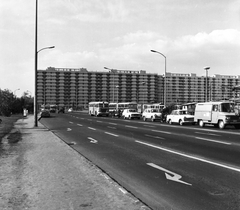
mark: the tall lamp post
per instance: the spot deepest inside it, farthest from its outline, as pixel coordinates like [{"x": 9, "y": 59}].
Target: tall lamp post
[
  {"x": 165, "y": 80},
  {"x": 15, "y": 91},
  {"x": 113, "y": 71},
  {"x": 206, "y": 95},
  {"x": 36, "y": 64}
]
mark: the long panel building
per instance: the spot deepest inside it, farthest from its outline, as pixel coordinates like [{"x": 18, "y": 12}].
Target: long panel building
[{"x": 75, "y": 88}]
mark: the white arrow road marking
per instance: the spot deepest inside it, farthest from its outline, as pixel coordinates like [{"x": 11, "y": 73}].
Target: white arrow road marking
[
  {"x": 94, "y": 141},
  {"x": 175, "y": 177},
  {"x": 69, "y": 129}
]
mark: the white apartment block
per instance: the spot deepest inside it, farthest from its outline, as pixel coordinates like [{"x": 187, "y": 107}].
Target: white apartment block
[{"x": 70, "y": 87}]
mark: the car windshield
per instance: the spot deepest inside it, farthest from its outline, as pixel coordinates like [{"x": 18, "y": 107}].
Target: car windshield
[
  {"x": 154, "y": 110},
  {"x": 227, "y": 107},
  {"x": 132, "y": 110}
]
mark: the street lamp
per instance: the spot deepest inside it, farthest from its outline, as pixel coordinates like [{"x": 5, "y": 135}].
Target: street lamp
[
  {"x": 143, "y": 84},
  {"x": 36, "y": 64},
  {"x": 15, "y": 91},
  {"x": 165, "y": 80},
  {"x": 113, "y": 71},
  {"x": 117, "y": 92},
  {"x": 206, "y": 69}
]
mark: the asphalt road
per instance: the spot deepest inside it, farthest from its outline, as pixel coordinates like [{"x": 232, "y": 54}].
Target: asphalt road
[{"x": 165, "y": 166}]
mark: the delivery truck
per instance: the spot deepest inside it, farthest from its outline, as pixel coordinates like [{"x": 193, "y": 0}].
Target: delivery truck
[{"x": 220, "y": 114}]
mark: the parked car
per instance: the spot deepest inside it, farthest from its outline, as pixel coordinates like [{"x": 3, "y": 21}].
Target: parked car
[
  {"x": 181, "y": 117},
  {"x": 45, "y": 113},
  {"x": 151, "y": 114},
  {"x": 61, "y": 110},
  {"x": 131, "y": 114},
  {"x": 70, "y": 110}
]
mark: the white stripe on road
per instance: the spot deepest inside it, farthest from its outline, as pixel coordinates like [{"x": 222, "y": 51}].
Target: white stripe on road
[
  {"x": 190, "y": 156},
  {"x": 91, "y": 128},
  {"x": 111, "y": 127},
  {"x": 112, "y": 134},
  {"x": 150, "y": 126},
  {"x": 71, "y": 122},
  {"x": 112, "y": 123},
  {"x": 129, "y": 126},
  {"x": 210, "y": 134},
  {"x": 79, "y": 125},
  {"x": 156, "y": 137},
  {"x": 99, "y": 121},
  {"x": 220, "y": 142},
  {"x": 161, "y": 131}
]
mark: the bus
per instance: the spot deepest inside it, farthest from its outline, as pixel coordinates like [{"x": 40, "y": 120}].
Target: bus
[
  {"x": 98, "y": 108},
  {"x": 189, "y": 107},
  {"x": 126, "y": 105},
  {"x": 158, "y": 106}
]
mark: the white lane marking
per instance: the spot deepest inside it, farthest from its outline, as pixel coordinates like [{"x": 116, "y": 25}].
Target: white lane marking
[
  {"x": 82, "y": 118},
  {"x": 99, "y": 121},
  {"x": 175, "y": 177},
  {"x": 69, "y": 129},
  {"x": 211, "y": 140},
  {"x": 112, "y": 123},
  {"x": 210, "y": 134},
  {"x": 79, "y": 125},
  {"x": 150, "y": 126},
  {"x": 94, "y": 141},
  {"x": 111, "y": 134},
  {"x": 91, "y": 128},
  {"x": 89, "y": 119},
  {"x": 111, "y": 127},
  {"x": 129, "y": 126},
  {"x": 161, "y": 131},
  {"x": 190, "y": 156},
  {"x": 156, "y": 137},
  {"x": 70, "y": 122},
  {"x": 122, "y": 190}
]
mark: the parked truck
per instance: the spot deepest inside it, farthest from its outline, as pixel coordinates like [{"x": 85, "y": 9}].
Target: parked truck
[{"x": 219, "y": 114}]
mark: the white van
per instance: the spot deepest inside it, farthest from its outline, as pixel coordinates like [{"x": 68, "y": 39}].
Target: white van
[{"x": 218, "y": 114}]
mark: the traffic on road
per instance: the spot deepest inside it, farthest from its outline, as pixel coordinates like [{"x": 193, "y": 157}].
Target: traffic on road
[{"x": 165, "y": 166}]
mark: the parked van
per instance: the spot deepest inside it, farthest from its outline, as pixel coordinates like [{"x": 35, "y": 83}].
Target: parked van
[{"x": 218, "y": 114}]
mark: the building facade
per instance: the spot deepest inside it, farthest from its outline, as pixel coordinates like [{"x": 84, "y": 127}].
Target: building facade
[
  {"x": 77, "y": 87},
  {"x": 185, "y": 88}
]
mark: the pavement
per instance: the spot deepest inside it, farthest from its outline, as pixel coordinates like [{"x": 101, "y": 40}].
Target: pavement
[{"x": 40, "y": 171}]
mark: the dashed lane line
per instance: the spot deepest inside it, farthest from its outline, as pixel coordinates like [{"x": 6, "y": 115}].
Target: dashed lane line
[
  {"x": 215, "y": 141},
  {"x": 112, "y": 134}
]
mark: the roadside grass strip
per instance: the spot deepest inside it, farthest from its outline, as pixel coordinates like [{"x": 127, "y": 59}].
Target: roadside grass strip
[{"x": 190, "y": 156}]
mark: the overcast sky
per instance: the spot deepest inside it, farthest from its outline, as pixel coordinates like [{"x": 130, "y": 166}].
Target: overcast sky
[{"x": 118, "y": 34}]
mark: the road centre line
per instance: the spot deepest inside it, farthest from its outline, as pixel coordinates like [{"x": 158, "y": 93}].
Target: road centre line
[
  {"x": 91, "y": 128},
  {"x": 111, "y": 134},
  {"x": 210, "y": 134},
  {"x": 129, "y": 126},
  {"x": 112, "y": 123},
  {"x": 190, "y": 156},
  {"x": 220, "y": 142},
  {"x": 156, "y": 137},
  {"x": 111, "y": 127},
  {"x": 150, "y": 126},
  {"x": 162, "y": 131}
]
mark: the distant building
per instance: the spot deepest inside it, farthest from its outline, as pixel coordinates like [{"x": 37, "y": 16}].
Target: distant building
[{"x": 75, "y": 88}]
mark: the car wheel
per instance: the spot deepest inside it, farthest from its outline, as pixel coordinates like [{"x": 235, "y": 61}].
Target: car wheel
[
  {"x": 237, "y": 126},
  {"x": 180, "y": 122},
  {"x": 201, "y": 123},
  {"x": 170, "y": 121},
  {"x": 144, "y": 118},
  {"x": 129, "y": 117},
  {"x": 152, "y": 119},
  {"x": 221, "y": 124}
]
